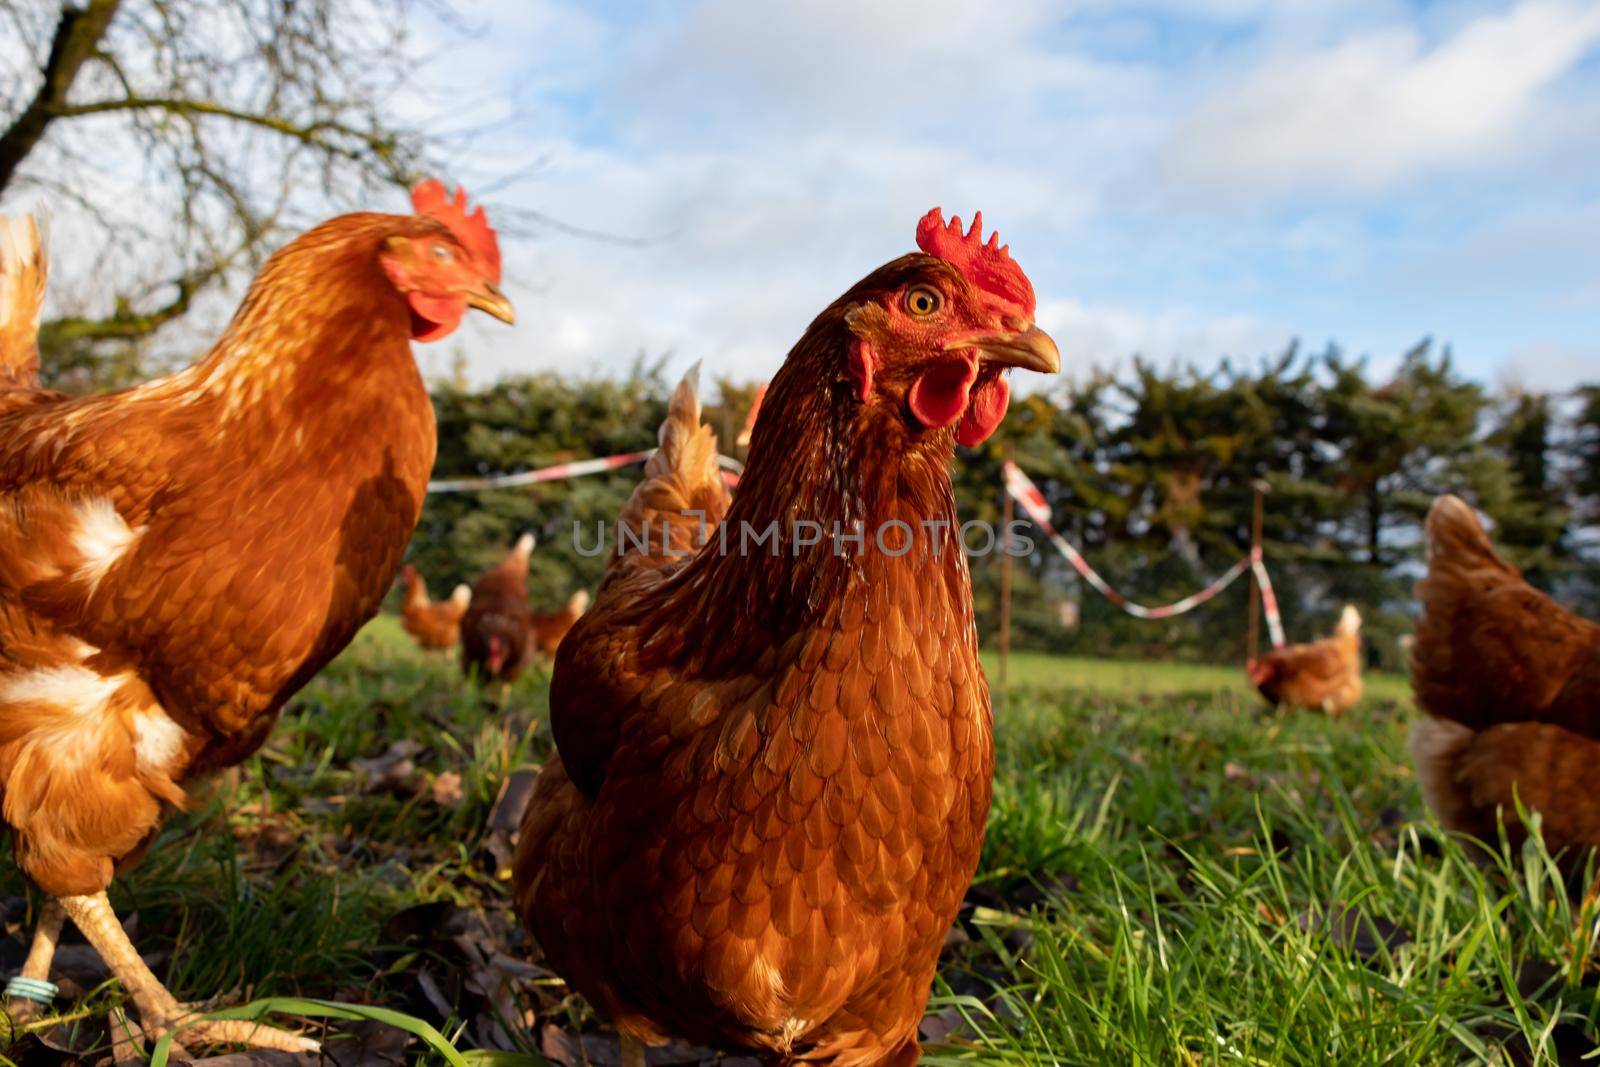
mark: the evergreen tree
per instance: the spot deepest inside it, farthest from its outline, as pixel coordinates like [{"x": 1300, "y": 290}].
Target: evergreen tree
[
  {"x": 1529, "y": 509},
  {"x": 1150, "y": 475}
]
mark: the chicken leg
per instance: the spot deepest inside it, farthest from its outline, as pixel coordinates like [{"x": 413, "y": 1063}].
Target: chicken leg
[
  {"x": 41, "y": 954},
  {"x": 159, "y": 1011}
]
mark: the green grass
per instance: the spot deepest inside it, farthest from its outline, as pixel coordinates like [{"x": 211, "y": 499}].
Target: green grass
[
  {"x": 1172, "y": 875},
  {"x": 1130, "y": 678},
  {"x": 1207, "y": 883}
]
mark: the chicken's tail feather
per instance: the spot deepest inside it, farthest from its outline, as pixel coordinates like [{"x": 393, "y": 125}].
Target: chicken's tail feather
[
  {"x": 23, "y": 271},
  {"x": 1489, "y": 647},
  {"x": 687, "y": 455},
  {"x": 1462, "y": 568},
  {"x": 512, "y": 571},
  {"x": 682, "y": 496},
  {"x": 1455, "y": 537}
]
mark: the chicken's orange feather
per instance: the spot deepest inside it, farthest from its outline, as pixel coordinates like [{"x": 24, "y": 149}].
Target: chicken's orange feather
[{"x": 1509, "y": 681}]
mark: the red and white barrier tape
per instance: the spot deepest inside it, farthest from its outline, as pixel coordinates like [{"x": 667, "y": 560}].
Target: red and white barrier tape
[
  {"x": 575, "y": 469},
  {"x": 1018, "y": 484},
  {"x": 1269, "y": 599},
  {"x": 1022, "y": 489}
]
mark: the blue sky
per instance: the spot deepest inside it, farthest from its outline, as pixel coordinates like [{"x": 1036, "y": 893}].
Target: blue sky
[{"x": 1181, "y": 179}]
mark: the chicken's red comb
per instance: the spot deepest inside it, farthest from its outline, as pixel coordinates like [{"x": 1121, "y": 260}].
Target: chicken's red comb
[
  {"x": 987, "y": 266},
  {"x": 472, "y": 230}
]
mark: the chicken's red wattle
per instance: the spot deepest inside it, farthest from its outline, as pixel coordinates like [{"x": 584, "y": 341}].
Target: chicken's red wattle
[
  {"x": 985, "y": 411},
  {"x": 944, "y": 395},
  {"x": 433, "y": 317}
]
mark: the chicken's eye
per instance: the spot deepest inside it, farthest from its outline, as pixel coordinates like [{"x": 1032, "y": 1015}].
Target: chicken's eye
[
  {"x": 441, "y": 253},
  {"x": 923, "y": 301}
]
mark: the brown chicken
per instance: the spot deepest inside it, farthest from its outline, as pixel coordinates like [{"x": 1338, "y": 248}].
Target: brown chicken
[
  {"x": 1323, "y": 674},
  {"x": 177, "y": 559},
  {"x": 497, "y": 631},
  {"x": 435, "y": 626},
  {"x": 550, "y": 627},
  {"x": 1510, "y": 683},
  {"x": 775, "y": 758}
]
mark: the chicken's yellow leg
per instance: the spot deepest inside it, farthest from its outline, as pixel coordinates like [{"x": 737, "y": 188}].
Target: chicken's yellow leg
[
  {"x": 31, "y": 990},
  {"x": 159, "y": 1011}
]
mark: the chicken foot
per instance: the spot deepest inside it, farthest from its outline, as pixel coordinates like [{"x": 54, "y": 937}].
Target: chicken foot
[
  {"x": 160, "y": 1012},
  {"x": 40, "y": 955},
  {"x": 632, "y": 1051}
]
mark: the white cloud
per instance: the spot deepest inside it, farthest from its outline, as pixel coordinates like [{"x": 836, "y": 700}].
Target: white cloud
[
  {"x": 1553, "y": 366},
  {"x": 1419, "y": 169},
  {"x": 737, "y": 256},
  {"x": 1381, "y": 108},
  {"x": 771, "y": 70},
  {"x": 772, "y": 157}
]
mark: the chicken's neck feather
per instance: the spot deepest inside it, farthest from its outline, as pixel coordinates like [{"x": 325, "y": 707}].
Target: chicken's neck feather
[
  {"x": 315, "y": 364},
  {"x": 319, "y": 324},
  {"x": 871, "y": 495}
]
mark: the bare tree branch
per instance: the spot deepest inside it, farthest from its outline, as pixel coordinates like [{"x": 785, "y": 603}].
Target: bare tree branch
[
  {"x": 76, "y": 40},
  {"x": 186, "y": 136},
  {"x": 126, "y": 324},
  {"x": 322, "y": 134}
]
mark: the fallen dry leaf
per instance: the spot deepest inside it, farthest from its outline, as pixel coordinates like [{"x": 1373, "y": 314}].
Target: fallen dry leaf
[
  {"x": 390, "y": 770},
  {"x": 505, "y": 820}
]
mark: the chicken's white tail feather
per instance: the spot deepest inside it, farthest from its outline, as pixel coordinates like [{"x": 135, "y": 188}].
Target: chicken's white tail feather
[
  {"x": 24, "y": 269},
  {"x": 1349, "y": 620}
]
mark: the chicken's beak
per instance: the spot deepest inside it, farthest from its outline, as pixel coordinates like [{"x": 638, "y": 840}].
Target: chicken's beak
[
  {"x": 490, "y": 299},
  {"x": 1025, "y": 346}
]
